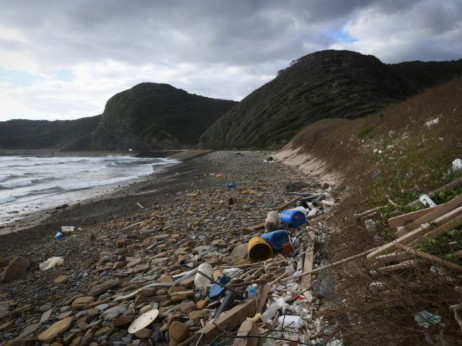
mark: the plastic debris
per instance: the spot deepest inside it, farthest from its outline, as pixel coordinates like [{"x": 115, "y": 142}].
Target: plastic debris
[
  {"x": 51, "y": 262},
  {"x": 426, "y": 319},
  {"x": 457, "y": 165}
]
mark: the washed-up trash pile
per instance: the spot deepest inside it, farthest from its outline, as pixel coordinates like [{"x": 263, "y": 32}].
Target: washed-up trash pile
[
  {"x": 206, "y": 266},
  {"x": 260, "y": 300}
]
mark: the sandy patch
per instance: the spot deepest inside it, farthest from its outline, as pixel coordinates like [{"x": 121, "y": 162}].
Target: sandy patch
[{"x": 308, "y": 164}]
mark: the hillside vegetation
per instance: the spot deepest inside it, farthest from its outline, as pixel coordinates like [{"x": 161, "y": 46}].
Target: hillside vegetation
[
  {"x": 156, "y": 116},
  {"x": 322, "y": 85},
  {"x": 387, "y": 160},
  {"x": 43, "y": 134}
]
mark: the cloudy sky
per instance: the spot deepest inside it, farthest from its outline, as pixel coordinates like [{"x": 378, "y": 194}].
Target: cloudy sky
[{"x": 63, "y": 59}]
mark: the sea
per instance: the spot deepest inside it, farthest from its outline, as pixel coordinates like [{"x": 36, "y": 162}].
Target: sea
[{"x": 32, "y": 184}]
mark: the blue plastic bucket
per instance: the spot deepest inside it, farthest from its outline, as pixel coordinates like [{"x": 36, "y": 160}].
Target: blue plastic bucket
[
  {"x": 276, "y": 239},
  {"x": 293, "y": 217}
]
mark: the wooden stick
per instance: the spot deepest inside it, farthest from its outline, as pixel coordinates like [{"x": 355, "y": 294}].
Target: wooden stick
[
  {"x": 305, "y": 281},
  {"x": 345, "y": 260},
  {"x": 450, "y": 186},
  {"x": 409, "y": 237},
  {"x": 289, "y": 203},
  {"x": 402, "y": 265},
  {"x": 429, "y": 257}
]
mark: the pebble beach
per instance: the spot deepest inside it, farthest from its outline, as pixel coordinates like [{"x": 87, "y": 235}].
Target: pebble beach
[{"x": 152, "y": 231}]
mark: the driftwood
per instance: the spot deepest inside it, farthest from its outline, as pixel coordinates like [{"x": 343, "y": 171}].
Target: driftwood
[
  {"x": 452, "y": 185},
  {"x": 305, "y": 281},
  {"x": 438, "y": 211},
  {"x": 440, "y": 230},
  {"x": 345, "y": 260},
  {"x": 409, "y": 237},
  {"x": 402, "y": 265},
  {"x": 402, "y": 220},
  {"x": 393, "y": 257},
  {"x": 285, "y": 205},
  {"x": 429, "y": 257}
]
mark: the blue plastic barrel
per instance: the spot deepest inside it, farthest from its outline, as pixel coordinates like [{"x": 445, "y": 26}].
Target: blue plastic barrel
[
  {"x": 276, "y": 239},
  {"x": 293, "y": 217}
]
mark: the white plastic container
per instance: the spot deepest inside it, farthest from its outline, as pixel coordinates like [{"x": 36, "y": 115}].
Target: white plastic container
[
  {"x": 290, "y": 321},
  {"x": 425, "y": 200},
  {"x": 201, "y": 281},
  {"x": 271, "y": 311}
]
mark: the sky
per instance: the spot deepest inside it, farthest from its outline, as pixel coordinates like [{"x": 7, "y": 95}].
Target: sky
[{"x": 63, "y": 59}]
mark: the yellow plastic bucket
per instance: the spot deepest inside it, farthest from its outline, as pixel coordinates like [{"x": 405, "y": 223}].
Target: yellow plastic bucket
[{"x": 258, "y": 250}]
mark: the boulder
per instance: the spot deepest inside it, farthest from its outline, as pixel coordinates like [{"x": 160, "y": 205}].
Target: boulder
[{"x": 15, "y": 268}]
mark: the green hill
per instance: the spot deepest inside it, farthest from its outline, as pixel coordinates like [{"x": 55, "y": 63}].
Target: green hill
[
  {"x": 43, "y": 134},
  {"x": 325, "y": 84},
  {"x": 156, "y": 116}
]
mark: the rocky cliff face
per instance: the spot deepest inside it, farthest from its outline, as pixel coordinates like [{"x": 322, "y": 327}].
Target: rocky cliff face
[
  {"x": 156, "y": 116},
  {"x": 326, "y": 84}
]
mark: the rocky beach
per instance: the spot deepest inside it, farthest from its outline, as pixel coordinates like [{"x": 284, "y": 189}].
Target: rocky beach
[{"x": 134, "y": 253}]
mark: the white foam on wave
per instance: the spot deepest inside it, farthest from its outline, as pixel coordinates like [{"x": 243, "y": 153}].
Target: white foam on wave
[
  {"x": 16, "y": 184},
  {"x": 3, "y": 178},
  {"x": 7, "y": 200}
]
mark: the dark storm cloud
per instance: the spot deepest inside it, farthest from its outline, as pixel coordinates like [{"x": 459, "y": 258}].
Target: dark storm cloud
[{"x": 217, "y": 48}]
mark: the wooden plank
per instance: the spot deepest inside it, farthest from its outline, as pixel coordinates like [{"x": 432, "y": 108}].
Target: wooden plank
[
  {"x": 402, "y": 265},
  {"x": 246, "y": 329},
  {"x": 305, "y": 281},
  {"x": 411, "y": 236},
  {"x": 228, "y": 321},
  {"x": 402, "y": 220},
  {"x": 263, "y": 297},
  {"x": 450, "y": 186},
  {"x": 393, "y": 257},
  {"x": 440, "y": 230},
  {"x": 438, "y": 211}
]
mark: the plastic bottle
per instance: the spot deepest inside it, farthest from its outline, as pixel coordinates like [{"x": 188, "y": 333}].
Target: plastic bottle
[
  {"x": 290, "y": 321},
  {"x": 425, "y": 200},
  {"x": 251, "y": 293},
  {"x": 201, "y": 281},
  {"x": 271, "y": 311}
]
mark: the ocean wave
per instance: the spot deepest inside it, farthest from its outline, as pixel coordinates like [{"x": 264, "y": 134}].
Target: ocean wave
[
  {"x": 16, "y": 184},
  {"x": 90, "y": 184},
  {"x": 3, "y": 178},
  {"x": 7, "y": 200}
]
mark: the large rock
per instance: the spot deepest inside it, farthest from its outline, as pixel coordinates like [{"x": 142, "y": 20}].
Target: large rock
[
  {"x": 15, "y": 268},
  {"x": 178, "y": 331},
  {"x": 56, "y": 329}
]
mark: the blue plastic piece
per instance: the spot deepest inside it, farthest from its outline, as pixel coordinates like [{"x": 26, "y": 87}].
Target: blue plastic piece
[
  {"x": 293, "y": 217},
  {"x": 231, "y": 185},
  {"x": 276, "y": 239},
  {"x": 216, "y": 290},
  {"x": 59, "y": 235}
]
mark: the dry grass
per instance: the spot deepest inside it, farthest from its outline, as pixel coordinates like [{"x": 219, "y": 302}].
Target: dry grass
[{"x": 390, "y": 156}]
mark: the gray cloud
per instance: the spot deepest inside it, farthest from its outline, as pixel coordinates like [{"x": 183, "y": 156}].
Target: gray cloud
[{"x": 204, "y": 44}]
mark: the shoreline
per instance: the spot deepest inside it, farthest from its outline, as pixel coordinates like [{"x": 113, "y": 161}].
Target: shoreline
[
  {"x": 193, "y": 171},
  {"x": 108, "y": 193}
]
